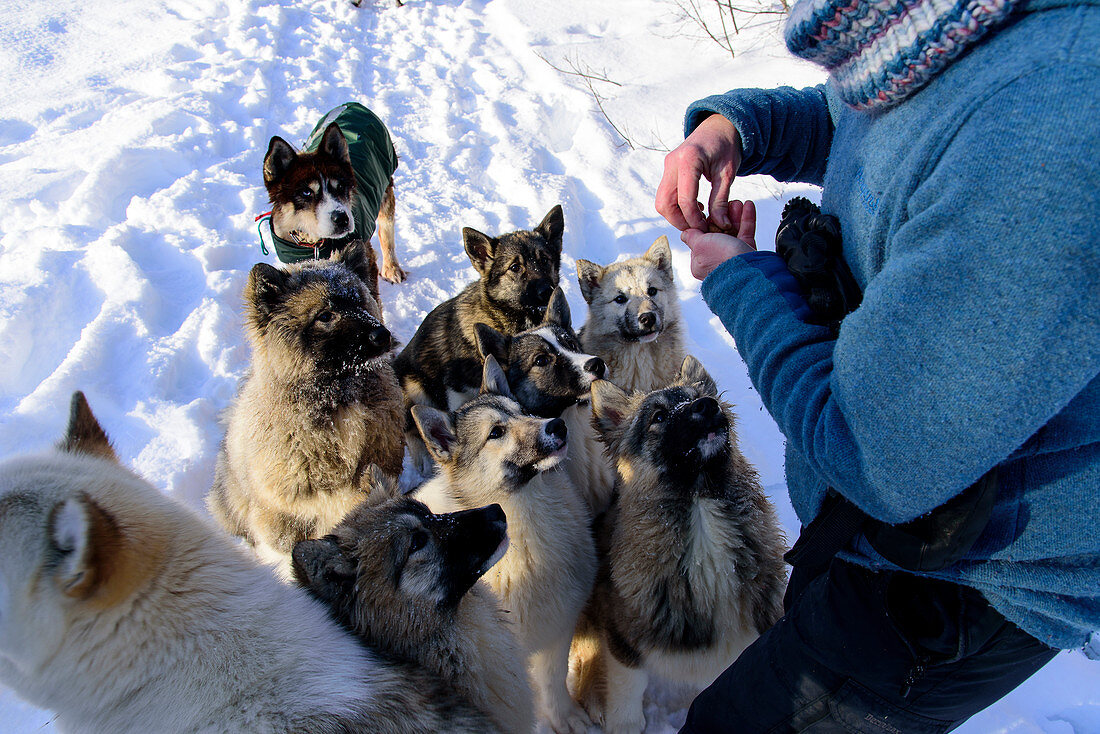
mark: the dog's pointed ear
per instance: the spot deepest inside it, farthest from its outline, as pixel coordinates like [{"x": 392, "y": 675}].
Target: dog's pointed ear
[
  {"x": 693, "y": 372},
  {"x": 84, "y": 435},
  {"x": 334, "y": 144},
  {"x": 436, "y": 430},
  {"x": 660, "y": 254},
  {"x": 480, "y": 248},
  {"x": 358, "y": 261},
  {"x": 491, "y": 342},
  {"x": 320, "y": 566},
  {"x": 589, "y": 275},
  {"x": 493, "y": 379},
  {"x": 557, "y": 311},
  {"x": 87, "y": 542},
  {"x": 264, "y": 293},
  {"x": 552, "y": 227},
  {"x": 280, "y": 154},
  {"x": 610, "y": 404}
]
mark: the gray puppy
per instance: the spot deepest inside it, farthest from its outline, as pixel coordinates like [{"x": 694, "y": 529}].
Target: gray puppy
[
  {"x": 691, "y": 553},
  {"x": 318, "y": 420}
]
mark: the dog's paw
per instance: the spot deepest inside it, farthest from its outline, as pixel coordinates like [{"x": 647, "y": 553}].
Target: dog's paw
[
  {"x": 624, "y": 721},
  {"x": 593, "y": 706},
  {"x": 393, "y": 273},
  {"x": 569, "y": 719}
]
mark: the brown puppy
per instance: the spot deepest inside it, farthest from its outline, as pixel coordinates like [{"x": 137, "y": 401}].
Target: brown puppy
[
  {"x": 331, "y": 195},
  {"x": 440, "y": 366}
]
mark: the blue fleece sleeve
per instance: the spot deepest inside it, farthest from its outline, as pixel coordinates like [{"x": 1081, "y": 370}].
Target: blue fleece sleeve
[
  {"x": 785, "y": 132},
  {"x": 982, "y": 325}
]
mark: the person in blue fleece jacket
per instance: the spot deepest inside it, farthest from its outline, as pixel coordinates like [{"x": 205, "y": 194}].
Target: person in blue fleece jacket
[{"x": 958, "y": 146}]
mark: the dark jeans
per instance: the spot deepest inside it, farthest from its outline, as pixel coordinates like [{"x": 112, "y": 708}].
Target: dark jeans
[{"x": 864, "y": 651}]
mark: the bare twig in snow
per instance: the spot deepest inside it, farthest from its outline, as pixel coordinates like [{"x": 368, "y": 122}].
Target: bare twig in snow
[{"x": 589, "y": 78}]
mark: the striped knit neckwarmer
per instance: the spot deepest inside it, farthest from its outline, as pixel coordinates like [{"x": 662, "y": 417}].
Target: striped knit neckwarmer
[{"x": 878, "y": 52}]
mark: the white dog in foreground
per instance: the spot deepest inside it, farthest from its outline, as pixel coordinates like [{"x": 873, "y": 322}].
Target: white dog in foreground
[{"x": 124, "y": 611}]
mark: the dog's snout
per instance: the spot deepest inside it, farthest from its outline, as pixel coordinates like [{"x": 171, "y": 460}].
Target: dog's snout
[
  {"x": 379, "y": 337},
  {"x": 557, "y": 429},
  {"x": 495, "y": 514},
  {"x": 647, "y": 319},
  {"x": 706, "y": 407},
  {"x": 340, "y": 219},
  {"x": 543, "y": 290},
  {"x": 596, "y": 367}
]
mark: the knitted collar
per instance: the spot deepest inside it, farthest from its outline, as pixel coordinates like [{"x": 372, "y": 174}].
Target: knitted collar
[{"x": 878, "y": 52}]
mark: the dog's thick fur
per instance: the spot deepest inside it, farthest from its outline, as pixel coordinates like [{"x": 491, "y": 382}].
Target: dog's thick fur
[
  {"x": 492, "y": 453},
  {"x": 550, "y": 377},
  {"x": 319, "y": 419},
  {"x": 691, "y": 556},
  {"x": 634, "y": 321},
  {"x": 440, "y": 366},
  {"x": 124, "y": 611},
  {"x": 405, "y": 580},
  {"x": 311, "y": 200}
]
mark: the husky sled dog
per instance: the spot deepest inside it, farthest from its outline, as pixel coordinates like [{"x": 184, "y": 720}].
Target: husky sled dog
[
  {"x": 518, "y": 271},
  {"x": 691, "y": 561},
  {"x": 634, "y": 320},
  {"x": 332, "y": 194},
  {"x": 124, "y": 611},
  {"x": 405, "y": 580},
  {"x": 550, "y": 377},
  {"x": 490, "y": 452},
  {"x": 318, "y": 421}
]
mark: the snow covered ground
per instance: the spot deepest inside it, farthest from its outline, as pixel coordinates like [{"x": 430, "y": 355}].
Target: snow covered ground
[{"x": 131, "y": 139}]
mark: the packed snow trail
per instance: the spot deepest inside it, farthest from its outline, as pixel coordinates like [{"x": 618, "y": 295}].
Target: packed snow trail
[{"x": 131, "y": 142}]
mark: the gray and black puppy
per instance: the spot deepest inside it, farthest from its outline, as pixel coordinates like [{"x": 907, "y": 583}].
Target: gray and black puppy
[
  {"x": 691, "y": 553},
  {"x": 318, "y": 420},
  {"x": 549, "y": 376},
  {"x": 406, "y": 581},
  {"x": 440, "y": 366}
]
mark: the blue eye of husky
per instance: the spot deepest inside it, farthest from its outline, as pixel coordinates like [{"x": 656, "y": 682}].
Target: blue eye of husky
[
  {"x": 419, "y": 540},
  {"x": 658, "y": 416},
  {"x": 621, "y": 298},
  {"x": 306, "y": 193},
  {"x": 497, "y": 432},
  {"x": 652, "y": 291}
]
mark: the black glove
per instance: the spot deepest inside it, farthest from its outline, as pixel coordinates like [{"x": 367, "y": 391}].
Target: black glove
[{"x": 809, "y": 243}]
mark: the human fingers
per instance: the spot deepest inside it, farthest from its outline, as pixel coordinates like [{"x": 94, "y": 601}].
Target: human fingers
[
  {"x": 708, "y": 251},
  {"x": 746, "y": 229},
  {"x": 719, "y": 196},
  {"x": 666, "y": 200},
  {"x": 687, "y": 192}
]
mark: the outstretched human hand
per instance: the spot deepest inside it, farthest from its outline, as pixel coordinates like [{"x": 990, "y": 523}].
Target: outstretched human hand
[
  {"x": 712, "y": 150},
  {"x": 711, "y": 249}
]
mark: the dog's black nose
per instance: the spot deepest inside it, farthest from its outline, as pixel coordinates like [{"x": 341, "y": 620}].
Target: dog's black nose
[
  {"x": 707, "y": 407},
  {"x": 543, "y": 290},
  {"x": 379, "y": 337},
  {"x": 596, "y": 367},
  {"x": 647, "y": 319},
  {"x": 339, "y": 219},
  {"x": 557, "y": 428},
  {"x": 494, "y": 513}
]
